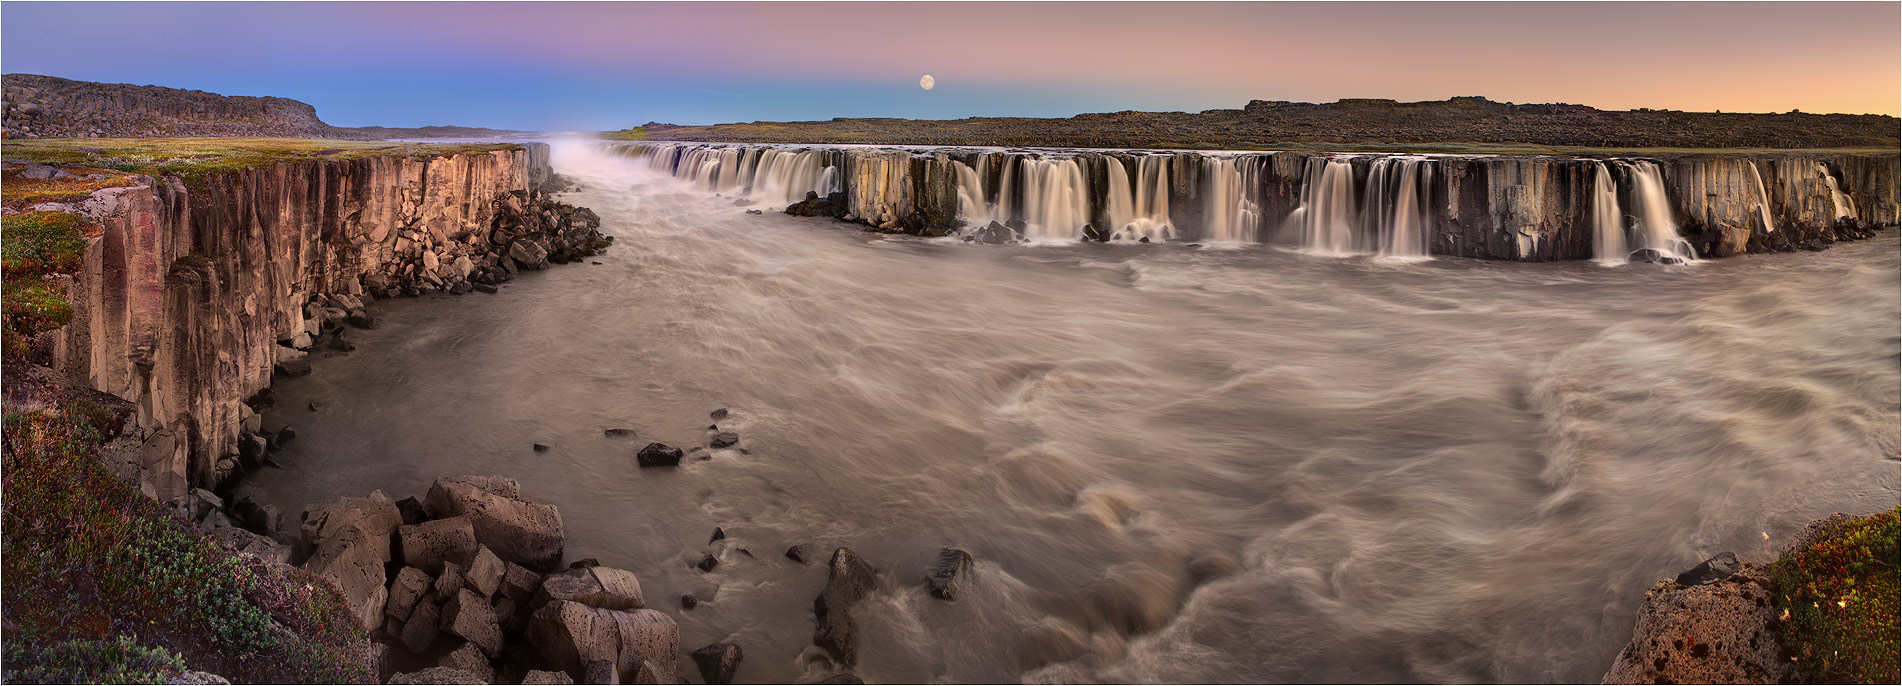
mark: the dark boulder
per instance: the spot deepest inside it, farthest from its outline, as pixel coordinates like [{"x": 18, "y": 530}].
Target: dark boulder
[
  {"x": 688, "y": 602},
  {"x": 659, "y": 455},
  {"x": 724, "y": 439},
  {"x": 1717, "y": 568},
  {"x": 833, "y": 205},
  {"x": 947, "y": 573},
  {"x": 718, "y": 662},
  {"x": 707, "y": 562},
  {"x": 718, "y": 414},
  {"x": 796, "y": 554},
  {"x": 993, "y": 234},
  {"x": 847, "y": 582}
]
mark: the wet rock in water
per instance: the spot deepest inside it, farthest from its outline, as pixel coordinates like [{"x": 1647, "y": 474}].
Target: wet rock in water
[
  {"x": 796, "y": 554},
  {"x": 719, "y": 534},
  {"x": 1718, "y": 568},
  {"x": 487, "y": 288},
  {"x": 437, "y": 675},
  {"x": 292, "y": 368},
  {"x": 584, "y": 563},
  {"x": 659, "y": 455},
  {"x": 688, "y": 602},
  {"x": 528, "y": 534},
  {"x": 713, "y": 427},
  {"x": 362, "y": 321},
  {"x": 707, "y": 562},
  {"x": 724, "y": 439},
  {"x": 947, "y": 573},
  {"x": 619, "y": 433},
  {"x": 718, "y": 662},
  {"x": 573, "y": 636},
  {"x": 1144, "y": 239},
  {"x": 754, "y": 212},
  {"x": 993, "y": 234},
  {"x": 1719, "y": 632},
  {"x": 847, "y": 582},
  {"x": 718, "y": 414},
  {"x": 340, "y": 344},
  {"x": 541, "y": 447},
  {"x": 315, "y": 405},
  {"x": 543, "y": 678},
  {"x": 841, "y": 678},
  {"x": 427, "y": 546},
  {"x": 283, "y": 437}
]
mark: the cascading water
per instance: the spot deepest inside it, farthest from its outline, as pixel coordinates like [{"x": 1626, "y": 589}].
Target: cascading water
[
  {"x": 1656, "y": 231},
  {"x": 1396, "y": 205},
  {"x": 1229, "y": 215},
  {"x": 1608, "y": 219},
  {"x": 1843, "y": 206},
  {"x": 1326, "y": 220},
  {"x": 776, "y": 176},
  {"x": 1763, "y": 200},
  {"x": 1139, "y": 208},
  {"x": 971, "y": 206},
  {"x": 1055, "y": 199}
]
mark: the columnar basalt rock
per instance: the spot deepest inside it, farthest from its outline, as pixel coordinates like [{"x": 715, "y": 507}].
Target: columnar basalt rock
[{"x": 187, "y": 297}]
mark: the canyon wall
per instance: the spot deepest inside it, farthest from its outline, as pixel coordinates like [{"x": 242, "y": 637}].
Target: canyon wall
[
  {"x": 191, "y": 296},
  {"x": 1506, "y": 207}
]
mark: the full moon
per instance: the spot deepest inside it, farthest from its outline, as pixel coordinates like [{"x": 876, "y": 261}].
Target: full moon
[{"x": 927, "y": 82}]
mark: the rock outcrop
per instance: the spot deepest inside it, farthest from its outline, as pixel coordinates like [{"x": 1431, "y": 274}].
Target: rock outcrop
[
  {"x": 1721, "y": 629},
  {"x": 191, "y": 296}
]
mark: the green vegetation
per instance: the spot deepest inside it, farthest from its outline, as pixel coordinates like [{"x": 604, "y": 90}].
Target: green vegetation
[
  {"x": 638, "y": 133},
  {"x": 33, "y": 247},
  {"x": 114, "y": 661},
  {"x": 1841, "y": 596},
  {"x": 91, "y": 569},
  {"x": 193, "y": 159}
]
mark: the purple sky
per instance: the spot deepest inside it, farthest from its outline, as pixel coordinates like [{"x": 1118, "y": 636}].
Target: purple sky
[{"x": 613, "y": 65}]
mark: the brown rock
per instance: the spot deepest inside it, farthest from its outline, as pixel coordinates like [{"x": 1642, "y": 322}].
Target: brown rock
[
  {"x": 470, "y": 617},
  {"x": 485, "y": 573},
  {"x": 410, "y": 586},
  {"x": 428, "y": 545},
  {"x": 528, "y": 534},
  {"x": 1717, "y": 632},
  {"x": 847, "y": 582}
]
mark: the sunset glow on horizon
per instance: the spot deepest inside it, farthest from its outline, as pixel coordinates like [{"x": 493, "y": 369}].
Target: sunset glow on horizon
[{"x": 614, "y": 65}]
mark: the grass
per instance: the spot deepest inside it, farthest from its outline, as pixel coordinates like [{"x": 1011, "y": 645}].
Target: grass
[
  {"x": 1841, "y": 594},
  {"x": 33, "y": 247},
  {"x": 638, "y": 133},
  {"x": 92, "y": 570},
  {"x": 193, "y": 159}
]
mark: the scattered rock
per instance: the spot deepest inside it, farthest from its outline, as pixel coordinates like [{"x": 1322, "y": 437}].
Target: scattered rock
[
  {"x": 796, "y": 554},
  {"x": 602, "y": 587},
  {"x": 724, "y": 439},
  {"x": 658, "y": 455},
  {"x": 619, "y": 433},
  {"x": 541, "y": 448},
  {"x": 427, "y": 546},
  {"x": 584, "y": 563},
  {"x": 688, "y": 602},
  {"x": 719, "y": 534},
  {"x": 485, "y": 572},
  {"x": 718, "y": 662},
  {"x": 847, "y": 582},
  {"x": 470, "y": 616},
  {"x": 469, "y": 658},
  {"x": 293, "y": 368},
  {"x": 947, "y": 573},
  {"x": 528, "y": 534},
  {"x": 410, "y": 586},
  {"x": 841, "y": 678},
  {"x": 718, "y": 414},
  {"x": 421, "y": 631},
  {"x": 707, "y": 562},
  {"x": 519, "y": 584},
  {"x": 573, "y": 636},
  {"x": 1715, "y": 569}
]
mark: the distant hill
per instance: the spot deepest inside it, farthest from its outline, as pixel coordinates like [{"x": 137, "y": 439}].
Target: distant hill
[
  {"x": 51, "y": 107},
  {"x": 1361, "y": 121}
]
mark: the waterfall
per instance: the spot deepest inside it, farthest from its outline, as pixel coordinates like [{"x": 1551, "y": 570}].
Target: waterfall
[
  {"x": 1842, "y": 205},
  {"x": 1326, "y": 220},
  {"x": 773, "y": 175},
  {"x": 1608, "y": 219},
  {"x": 1054, "y": 198},
  {"x": 1395, "y": 209},
  {"x": 1229, "y": 215},
  {"x": 971, "y": 206},
  {"x": 1763, "y": 200},
  {"x": 1656, "y": 230},
  {"x": 1139, "y": 208}
]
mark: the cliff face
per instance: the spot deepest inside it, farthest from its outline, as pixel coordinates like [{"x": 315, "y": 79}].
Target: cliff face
[
  {"x": 51, "y": 107},
  {"x": 191, "y": 296},
  {"x": 1506, "y": 207}
]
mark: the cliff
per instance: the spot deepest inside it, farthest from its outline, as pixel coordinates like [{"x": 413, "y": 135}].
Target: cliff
[
  {"x": 1282, "y": 125},
  {"x": 196, "y": 288},
  {"x": 1508, "y": 207},
  {"x": 51, "y": 107}
]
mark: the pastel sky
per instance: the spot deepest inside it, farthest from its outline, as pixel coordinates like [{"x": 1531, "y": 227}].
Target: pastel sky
[{"x": 607, "y": 65}]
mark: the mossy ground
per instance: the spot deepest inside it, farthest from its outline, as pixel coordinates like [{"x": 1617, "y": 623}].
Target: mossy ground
[
  {"x": 35, "y": 246},
  {"x": 195, "y": 158},
  {"x": 1841, "y": 593}
]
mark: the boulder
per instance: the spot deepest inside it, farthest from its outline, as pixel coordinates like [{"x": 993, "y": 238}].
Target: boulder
[
  {"x": 603, "y": 587},
  {"x": 528, "y": 534},
  {"x": 724, "y": 439},
  {"x": 410, "y": 586},
  {"x": 718, "y": 662},
  {"x": 601, "y": 672},
  {"x": 351, "y": 538},
  {"x": 1716, "y": 632},
  {"x": 519, "y": 583},
  {"x": 470, "y": 658},
  {"x": 796, "y": 554},
  {"x": 527, "y": 254},
  {"x": 572, "y": 636},
  {"x": 471, "y": 618},
  {"x": 658, "y": 455},
  {"x": 649, "y": 673},
  {"x": 437, "y": 675},
  {"x": 848, "y": 581},
  {"x": 449, "y": 581},
  {"x": 1718, "y": 568},
  {"x": 347, "y": 520},
  {"x": 428, "y": 545},
  {"x": 947, "y": 572},
  {"x": 421, "y": 631},
  {"x": 542, "y": 678},
  {"x": 412, "y": 511},
  {"x": 485, "y": 573}
]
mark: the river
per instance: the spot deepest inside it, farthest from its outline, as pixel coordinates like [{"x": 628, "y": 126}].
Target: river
[{"x": 1172, "y": 464}]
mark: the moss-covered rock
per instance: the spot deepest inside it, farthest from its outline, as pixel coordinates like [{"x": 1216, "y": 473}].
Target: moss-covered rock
[{"x": 1838, "y": 588}]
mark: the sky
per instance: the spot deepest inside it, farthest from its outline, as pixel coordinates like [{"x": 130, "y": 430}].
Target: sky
[{"x": 611, "y": 65}]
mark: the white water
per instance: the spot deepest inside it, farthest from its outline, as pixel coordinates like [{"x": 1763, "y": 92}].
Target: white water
[
  {"x": 776, "y": 177},
  {"x": 1056, "y": 199},
  {"x": 1140, "y": 208},
  {"x": 1326, "y": 220},
  {"x": 1608, "y": 220},
  {"x": 1396, "y": 205},
  {"x": 1656, "y": 229},
  {"x": 1841, "y": 204},
  {"x": 1229, "y": 215},
  {"x": 971, "y": 205},
  {"x": 1763, "y": 200}
]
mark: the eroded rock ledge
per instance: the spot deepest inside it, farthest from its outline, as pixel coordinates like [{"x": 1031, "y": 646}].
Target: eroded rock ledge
[{"x": 192, "y": 295}]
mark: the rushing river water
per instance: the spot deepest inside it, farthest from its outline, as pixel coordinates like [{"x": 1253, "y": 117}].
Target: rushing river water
[{"x": 1173, "y": 465}]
